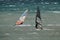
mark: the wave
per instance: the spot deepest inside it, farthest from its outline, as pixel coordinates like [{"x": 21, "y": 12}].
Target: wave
[
  {"x": 56, "y": 11},
  {"x": 53, "y": 24}
]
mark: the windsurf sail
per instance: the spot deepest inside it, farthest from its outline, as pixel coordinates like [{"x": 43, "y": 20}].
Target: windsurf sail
[
  {"x": 38, "y": 19},
  {"x": 22, "y": 18}
]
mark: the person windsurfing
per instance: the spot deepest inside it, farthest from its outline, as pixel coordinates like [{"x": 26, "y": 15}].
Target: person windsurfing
[
  {"x": 22, "y": 18},
  {"x": 38, "y": 19}
]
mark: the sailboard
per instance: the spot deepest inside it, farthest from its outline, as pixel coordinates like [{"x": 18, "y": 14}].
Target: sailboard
[
  {"x": 38, "y": 21},
  {"x": 22, "y": 18}
]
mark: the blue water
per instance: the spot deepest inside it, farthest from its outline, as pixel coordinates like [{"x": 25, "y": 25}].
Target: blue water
[{"x": 9, "y": 14}]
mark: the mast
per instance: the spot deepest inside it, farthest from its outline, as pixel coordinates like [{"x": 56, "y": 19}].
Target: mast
[{"x": 38, "y": 19}]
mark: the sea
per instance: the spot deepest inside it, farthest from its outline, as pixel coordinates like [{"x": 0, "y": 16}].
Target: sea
[{"x": 50, "y": 15}]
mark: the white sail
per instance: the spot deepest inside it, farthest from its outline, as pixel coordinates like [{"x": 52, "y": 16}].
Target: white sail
[{"x": 22, "y": 18}]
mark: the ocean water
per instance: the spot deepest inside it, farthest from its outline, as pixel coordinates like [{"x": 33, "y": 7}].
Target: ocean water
[{"x": 50, "y": 22}]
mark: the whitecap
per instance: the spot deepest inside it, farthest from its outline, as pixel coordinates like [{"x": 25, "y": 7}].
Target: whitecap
[{"x": 7, "y": 34}]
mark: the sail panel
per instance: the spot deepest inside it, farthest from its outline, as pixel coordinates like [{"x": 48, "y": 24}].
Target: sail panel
[{"x": 38, "y": 19}]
